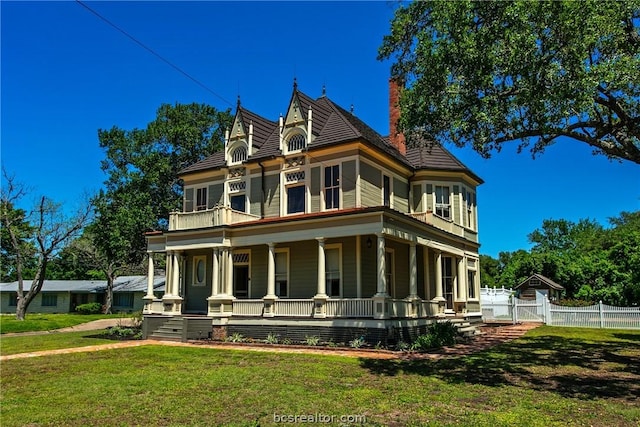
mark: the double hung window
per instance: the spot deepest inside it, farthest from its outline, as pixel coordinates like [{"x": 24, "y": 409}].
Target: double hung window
[
  {"x": 443, "y": 203},
  {"x": 332, "y": 187},
  {"x": 201, "y": 199}
]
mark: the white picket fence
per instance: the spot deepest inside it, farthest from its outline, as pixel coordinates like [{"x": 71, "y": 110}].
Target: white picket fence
[{"x": 599, "y": 315}]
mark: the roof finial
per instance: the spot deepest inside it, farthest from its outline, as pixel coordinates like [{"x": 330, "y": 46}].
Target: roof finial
[
  {"x": 324, "y": 90},
  {"x": 351, "y": 108},
  {"x": 295, "y": 83},
  {"x": 238, "y": 103}
]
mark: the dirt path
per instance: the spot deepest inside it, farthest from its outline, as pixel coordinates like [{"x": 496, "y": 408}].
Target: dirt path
[{"x": 490, "y": 337}]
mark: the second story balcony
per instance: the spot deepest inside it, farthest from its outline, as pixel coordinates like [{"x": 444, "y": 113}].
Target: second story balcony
[
  {"x": 446, "y": 225},
  {"x": 219, "y": 215}
]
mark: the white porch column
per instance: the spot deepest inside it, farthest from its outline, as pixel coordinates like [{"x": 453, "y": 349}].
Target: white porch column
[
  {"x": 150, "y": 278},
  {"x": 175, "y": 280},
  {"x": 215, "y": 273},
  {"x": 322, "y": 280},
  {"x": 462, "y": 282},
  {"x": 413, "y": 271},
  {"x": 168, "y": 274},
  {"x": 271, "y": 271},
  {"x": 358, "y": 266},
  {"x": 439, "y": 292},
  {"x": 229, "y": 282},
  {"x": 381, "y": 289}
]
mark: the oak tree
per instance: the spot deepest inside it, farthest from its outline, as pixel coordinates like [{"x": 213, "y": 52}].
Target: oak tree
[{"x": 485, "y": 73}]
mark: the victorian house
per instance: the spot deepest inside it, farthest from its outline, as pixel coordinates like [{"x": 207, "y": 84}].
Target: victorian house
[{"x": 315, "y": 224}]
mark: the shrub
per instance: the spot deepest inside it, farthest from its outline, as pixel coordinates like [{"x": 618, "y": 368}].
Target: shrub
[
  {"x": 311, "y": 340},
  {"x": 271, "y": 338},
  {"x": 438, "y": 334},
  {"x": 357, "y": 342},
  {"x": 90, "y": 308},
  {"x": 235, "y": 337}
]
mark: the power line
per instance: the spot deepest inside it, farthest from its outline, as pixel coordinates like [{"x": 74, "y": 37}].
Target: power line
[{"x": 156, "y": 54}]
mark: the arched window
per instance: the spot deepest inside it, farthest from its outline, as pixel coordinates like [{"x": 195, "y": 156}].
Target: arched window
[
  {"x": 296, "y": 142},
  {"x": 239, "y": 154}
]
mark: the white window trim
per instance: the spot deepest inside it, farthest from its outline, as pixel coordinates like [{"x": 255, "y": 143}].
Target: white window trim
[
  {"x": 248, "y": 264},
  {"x": 391, "y": 287},
  {"x": 292, "y": 134},
  {"x": 284, "y": 186},
  {"x": 449, "y": 185},
  {"x": 195, "y": 198},
  {"x": 476, "y": 282},
  {"x": 232, "y": 149},
  {"x": 194, "y": 271},
  {"x": 339, "y": 247},
  {"x": 286, "y": 251},
  {"x": 384, "y": 174},
  {"x": 323, "y": 188}
]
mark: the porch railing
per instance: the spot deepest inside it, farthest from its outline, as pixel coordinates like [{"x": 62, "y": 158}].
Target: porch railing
[
  {"x": 294, "y": 307},
  {"x": 446, "y": 225},
  {"x": 248, "y": 307},
  {"x": 219, "y": 215},
  {"x": 349, "y": 307},
  {"x": 399, "y": 308}
]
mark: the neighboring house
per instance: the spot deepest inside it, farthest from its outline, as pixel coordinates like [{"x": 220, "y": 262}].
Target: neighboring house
[
  {"x": 314, "y": 224},
  {"x": 63, "y": 296},
  {"x": 538, "y": 283}
]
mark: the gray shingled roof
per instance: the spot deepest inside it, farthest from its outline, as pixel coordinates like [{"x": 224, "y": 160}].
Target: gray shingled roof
[
  {"x": 544, "y": 280},
  {"x": 121, "y": 284},
  {"x": 439, "y": 158},
  {"x": 334, "y": 125}
]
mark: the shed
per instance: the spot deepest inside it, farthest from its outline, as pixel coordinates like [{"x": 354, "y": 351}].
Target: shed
[{"x": 537, "y": 283}]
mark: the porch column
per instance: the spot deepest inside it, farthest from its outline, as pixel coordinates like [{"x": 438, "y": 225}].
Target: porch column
[
  {"x": 358, "y": 266},
  {"x": 462, "y": 282},
  {"x": 168, "y": 274},
  {"x": 175, "y": 280},
  {"x": 229, "y": 272},
  {"x": 271, "y": 271},
  {"x": 215, "y": 273},
  {"x": 439, "y": 291},
  {"x": 413, "y": 271},
  {"x": 150, "y": 278},
  {"x": 322, "y": 281},
  {"x": 380, "y": 299},
  {"x": 381, "y": 289},
  {"x": 320, "y": 299}
]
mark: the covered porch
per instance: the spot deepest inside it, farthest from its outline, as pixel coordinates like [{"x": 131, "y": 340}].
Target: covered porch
[{"x": 362, "y": 267}]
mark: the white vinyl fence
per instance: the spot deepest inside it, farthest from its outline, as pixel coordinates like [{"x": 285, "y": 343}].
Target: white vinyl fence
[{"x": 599, "y": 315}]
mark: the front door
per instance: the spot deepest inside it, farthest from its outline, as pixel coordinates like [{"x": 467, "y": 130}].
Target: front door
[
  {"x": 241, "y": 281},
  {"x": 198, "y": 285}
]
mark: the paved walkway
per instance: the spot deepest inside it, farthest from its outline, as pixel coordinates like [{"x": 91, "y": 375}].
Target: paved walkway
[
  {"x": 491, "y": 336},
  {"x": 94, "y": 325}
]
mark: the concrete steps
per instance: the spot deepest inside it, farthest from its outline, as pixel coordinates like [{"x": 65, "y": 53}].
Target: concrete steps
[{"x": 171, "y": 330}]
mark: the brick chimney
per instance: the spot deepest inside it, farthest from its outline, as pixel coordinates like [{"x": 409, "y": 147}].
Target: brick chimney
[{"x": 396, "y": 138}]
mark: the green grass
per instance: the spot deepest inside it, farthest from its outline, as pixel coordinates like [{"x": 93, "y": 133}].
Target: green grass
[
  {"x": 551, "y": 377},
  {"x": 52, "y": 341},
  {"x": 47, "y": 322}
]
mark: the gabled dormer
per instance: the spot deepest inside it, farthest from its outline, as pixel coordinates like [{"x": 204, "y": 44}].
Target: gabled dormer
[
  {"x": 239, "y": 141},
  {"x": 296, "y": 125}
]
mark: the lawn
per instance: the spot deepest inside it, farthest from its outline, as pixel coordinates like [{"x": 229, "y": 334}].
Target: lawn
[
  {"x": 47, "y": 322},
  {"x": 53, "y": 341},
  {"x": 550, "y": 377}
]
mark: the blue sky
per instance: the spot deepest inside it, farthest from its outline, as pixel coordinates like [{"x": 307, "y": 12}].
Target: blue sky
[{"x": 65, "y": 74}]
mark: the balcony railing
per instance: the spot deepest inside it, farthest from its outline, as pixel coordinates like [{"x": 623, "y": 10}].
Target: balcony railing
[
  {"x": 220, "y": 215},
  {"x": 446, "y": 225}
]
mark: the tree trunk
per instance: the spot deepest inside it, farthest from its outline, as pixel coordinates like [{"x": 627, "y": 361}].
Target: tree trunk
[
  {"x": 21, "y": 308},
  {"x": 109, "y": 295}
]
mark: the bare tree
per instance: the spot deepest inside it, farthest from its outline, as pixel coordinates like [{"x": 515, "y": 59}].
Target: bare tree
[{"x": 40, "y": 233}]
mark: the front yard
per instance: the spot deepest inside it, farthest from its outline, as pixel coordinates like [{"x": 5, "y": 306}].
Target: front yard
[{"x": 552, "y": 376}]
